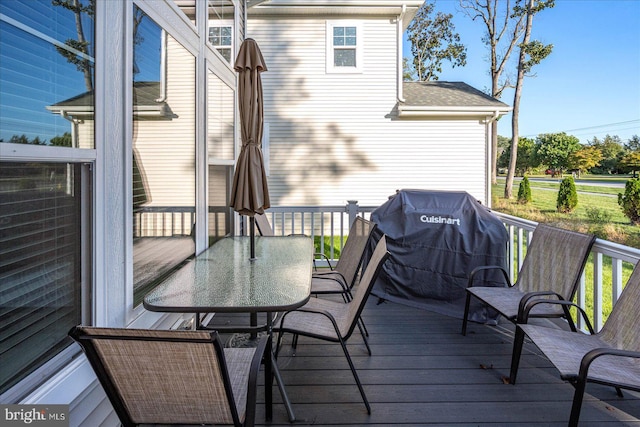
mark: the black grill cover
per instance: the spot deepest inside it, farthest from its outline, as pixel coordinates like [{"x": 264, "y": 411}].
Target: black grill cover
[{"x": 436, "y": 239}]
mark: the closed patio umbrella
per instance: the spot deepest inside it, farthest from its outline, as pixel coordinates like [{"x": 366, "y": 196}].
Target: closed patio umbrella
[{"x": 249, "y": 193}]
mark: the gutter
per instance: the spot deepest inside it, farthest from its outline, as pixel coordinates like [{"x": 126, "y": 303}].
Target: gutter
[
  {"x": 399, "y": 27},
  {"x": 491, "y": 114},
  {"x": 163, "y": 67}
]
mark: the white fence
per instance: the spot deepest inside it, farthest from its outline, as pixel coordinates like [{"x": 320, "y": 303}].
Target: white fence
[{"x": 605, "y": 275}]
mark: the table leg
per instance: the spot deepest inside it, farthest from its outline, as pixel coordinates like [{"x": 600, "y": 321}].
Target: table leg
[{"x": 276, "y": 373}]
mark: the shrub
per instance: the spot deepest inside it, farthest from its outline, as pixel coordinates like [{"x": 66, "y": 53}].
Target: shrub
[
  {"x": 524, "y": 191},
  {"x": 567, "y": 196},
  {"x": 599, "y": 216},
  {"x": 630, "y": 200}
]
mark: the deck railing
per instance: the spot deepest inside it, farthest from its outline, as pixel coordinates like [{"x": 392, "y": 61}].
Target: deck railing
[{"x": 610, "y": 264}]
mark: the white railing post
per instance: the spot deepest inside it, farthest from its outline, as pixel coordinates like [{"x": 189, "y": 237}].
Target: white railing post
[
  {"x": 597, "y": 291},
  {"x": 352, "y": 210}
]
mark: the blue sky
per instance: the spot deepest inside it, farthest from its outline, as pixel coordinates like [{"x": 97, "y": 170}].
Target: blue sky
[{"x": 588, "y": 87}]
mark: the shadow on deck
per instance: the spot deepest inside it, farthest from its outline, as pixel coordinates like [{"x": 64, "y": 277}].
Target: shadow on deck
[{"x": 424, "y": 372}]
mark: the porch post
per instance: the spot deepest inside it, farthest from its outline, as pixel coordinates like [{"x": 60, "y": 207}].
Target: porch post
[{"x": 352, "y": 210}]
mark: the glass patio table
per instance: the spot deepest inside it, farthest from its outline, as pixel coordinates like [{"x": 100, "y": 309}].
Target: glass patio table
[{"x": 223, "y": 279}]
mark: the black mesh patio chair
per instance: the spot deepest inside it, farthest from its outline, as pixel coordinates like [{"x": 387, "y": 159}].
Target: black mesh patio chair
[
  {"x": 335, "y": 321},
  {"x": 610, "y": 357},
  {"x": 343, "y": 277},
  {"x": 552, "y": 268},
  {"x": 173, "y": 377}
]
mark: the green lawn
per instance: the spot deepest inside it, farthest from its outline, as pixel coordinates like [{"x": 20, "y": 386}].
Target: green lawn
[{"x": 597, "y": 212}]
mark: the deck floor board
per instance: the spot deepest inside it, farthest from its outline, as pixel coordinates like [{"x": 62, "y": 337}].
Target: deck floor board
[{"x": 423, "y": 372}]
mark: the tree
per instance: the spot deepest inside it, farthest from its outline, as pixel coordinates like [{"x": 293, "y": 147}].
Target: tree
[
  {"x": 567, "y": 196},
  {"x": 62, "y": 141},
  {"x": 630, "y": 200},
  {"x": 531, "y": 54},
  {"x": 434, "y": 40},
  {"x": 524, "y": 191},
  {"x": 82, "y": 45},
  {"x": 584, "y": 159},
  {"x": 612, "y": 151},
  {"x": 631, "y": 162},
  {"x": 23, "y": 139},
  {"x": 633, "y": 144},
  {"x": 408, "y": 72},
  {"x": 553, "y": 149},
  {"x": 526, "y": 159},
  {"x": 503, "y": 30}
]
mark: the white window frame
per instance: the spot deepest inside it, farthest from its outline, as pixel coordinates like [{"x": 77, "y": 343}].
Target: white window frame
[
  {"x": 359, "y": 47},
  {"x": 223, "y": 23}
]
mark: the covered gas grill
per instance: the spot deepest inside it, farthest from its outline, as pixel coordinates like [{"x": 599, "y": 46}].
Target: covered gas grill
[{"x": 436, "y": 239}]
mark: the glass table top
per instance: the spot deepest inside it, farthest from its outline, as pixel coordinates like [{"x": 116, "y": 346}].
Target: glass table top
[{"x": 224, "y": 279}]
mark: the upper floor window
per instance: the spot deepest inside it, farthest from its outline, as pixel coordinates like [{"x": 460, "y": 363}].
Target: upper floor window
[
  {"x": 344, "y": 47},
  {"x": 221, "y": 38},
  {"x": 220, "y": 34}
]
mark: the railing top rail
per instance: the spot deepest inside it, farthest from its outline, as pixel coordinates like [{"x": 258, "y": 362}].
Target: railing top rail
[
  {"x": 335, "y": 208},
  {"x": 617, "y": 251}
]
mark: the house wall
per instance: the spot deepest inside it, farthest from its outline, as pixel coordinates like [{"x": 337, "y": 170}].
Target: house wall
[
  {"x": 165, "y": 146},
  {"x": 336, "y": 137}
]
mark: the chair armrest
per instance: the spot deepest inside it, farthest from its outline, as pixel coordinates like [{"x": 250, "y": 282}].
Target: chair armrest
[
  {"x": 342, "y": 283},
  {"x": 523, "y": 317},
  {"x": 592, "y": 355},
  {"x": 488, "y": 267},
  {"x": 530, "y": 295},
  {"x": 313, "y": 311},
  {"x": 322, "y": 256}
]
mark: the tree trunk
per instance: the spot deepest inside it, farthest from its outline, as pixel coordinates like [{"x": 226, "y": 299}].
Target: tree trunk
[
  {"x": 508, "y": 187},
  {"x": 86, "y": 64}
]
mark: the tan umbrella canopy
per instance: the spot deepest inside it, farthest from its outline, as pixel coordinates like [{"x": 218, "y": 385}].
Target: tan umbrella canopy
[{"x": 249, "y": 193}]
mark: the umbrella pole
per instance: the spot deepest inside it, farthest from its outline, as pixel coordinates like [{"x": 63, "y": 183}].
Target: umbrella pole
[{"x": 252, "y": 233}]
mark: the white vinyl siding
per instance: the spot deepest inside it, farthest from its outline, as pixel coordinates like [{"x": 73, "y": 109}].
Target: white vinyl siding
[
  {"x": 167, "y": 144},
  {"x": 336, "y": 137}
]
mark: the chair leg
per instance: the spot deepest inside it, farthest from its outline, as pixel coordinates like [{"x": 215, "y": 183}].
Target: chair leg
[
  {"x": 578, "y": 395},
  {"x": 364, "y": 326},
  {"x": 466, "y": 314},
  {"x": 355, "y": 376},
  {"x": 518, "y": 342},
  {"x": 364, "y": 337},
  {"x": 278, "y": 343}
]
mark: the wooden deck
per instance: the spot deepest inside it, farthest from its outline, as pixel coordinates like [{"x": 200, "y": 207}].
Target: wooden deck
[{"x": 424, "y": 372}]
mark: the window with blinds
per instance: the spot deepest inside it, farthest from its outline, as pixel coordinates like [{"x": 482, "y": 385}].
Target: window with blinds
[
  {"x": 46, "y": 69},
  {"x": 40, "y": 263},
  {"x": 46, "y": 100}
]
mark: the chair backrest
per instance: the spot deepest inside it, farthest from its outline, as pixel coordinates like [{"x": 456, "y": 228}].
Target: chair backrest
[
  {"x": 554, "y": 261},
  {"x": 164, "y": 377},
  {"x": 621, "y": 328},
  {"x": 262, "y": 222},
  {"x": 369, "y": 276},
  {"x": 353, "y": 251}
]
